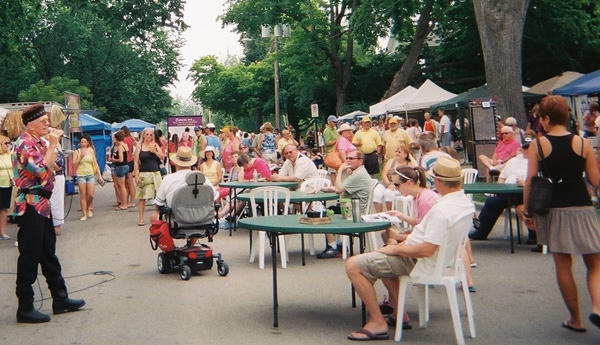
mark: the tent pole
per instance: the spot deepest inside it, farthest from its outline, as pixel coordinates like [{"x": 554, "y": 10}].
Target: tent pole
[{"x": 461, "y": 122}]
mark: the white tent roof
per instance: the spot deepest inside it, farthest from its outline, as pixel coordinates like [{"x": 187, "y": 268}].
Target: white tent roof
[
  {"x": 428, "y": 94},
  {"x": 396, "y": 100},
  {"x": 352, "y": 115}
]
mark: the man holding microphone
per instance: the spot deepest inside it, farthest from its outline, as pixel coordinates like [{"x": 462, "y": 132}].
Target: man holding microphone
[{"x": 34, "y": 179}]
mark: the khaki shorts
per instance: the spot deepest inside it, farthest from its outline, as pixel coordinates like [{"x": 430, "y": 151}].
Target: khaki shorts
[{"x": 376, "y": 265}]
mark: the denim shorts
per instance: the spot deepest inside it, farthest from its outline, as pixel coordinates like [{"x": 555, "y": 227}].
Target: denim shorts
[
  {"x": 86, "y": 179},
  {"x": 121, "y": 170}
]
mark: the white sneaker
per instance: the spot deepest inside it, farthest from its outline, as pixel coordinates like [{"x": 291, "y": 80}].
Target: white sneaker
[{"x": 5, "y": 237}]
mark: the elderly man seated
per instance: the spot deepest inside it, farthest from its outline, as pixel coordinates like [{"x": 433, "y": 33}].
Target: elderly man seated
[
  {"x": 297, "y": 167},
  {"x": 183, "y": 161},
  {"x": 505, "y": 150},
  {"x": 443, "y": 225}
]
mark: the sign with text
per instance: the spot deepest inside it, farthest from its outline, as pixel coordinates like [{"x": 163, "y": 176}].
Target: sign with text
[
  {"x": 314, "y": 110},
  {"x": 184, "y": 121}
]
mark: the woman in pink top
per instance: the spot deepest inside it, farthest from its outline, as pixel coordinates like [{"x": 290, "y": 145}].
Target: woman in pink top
[
  {"x": 250, "y": 164},
  {"x": 185, "y": 140},
  {"x": 344, "y": 142},
  {"x": 232, "y": 145}
]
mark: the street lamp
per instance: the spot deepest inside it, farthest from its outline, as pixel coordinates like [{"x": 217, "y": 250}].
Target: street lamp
[{"x": 281, "y": 30}]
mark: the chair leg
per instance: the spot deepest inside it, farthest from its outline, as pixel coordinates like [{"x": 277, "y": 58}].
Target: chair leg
[
  {"x": 345, "y": 243},
  {"x": 469, "y": 306},
  {"x": 453, "y": 301},
  {"x": 261, "y": 249},
  {"x": 400, "y": 307},
  {"x": 423, "y": 305},
  {"x": 253, "y": 235},
  {"x": 373, "y": 241},
  {"x": 311, "y": 244},
  {"x": 282, "y": 251}
]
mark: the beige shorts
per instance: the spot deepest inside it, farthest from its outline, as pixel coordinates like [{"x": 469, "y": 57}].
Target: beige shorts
[{"x": 376, "y": 265}]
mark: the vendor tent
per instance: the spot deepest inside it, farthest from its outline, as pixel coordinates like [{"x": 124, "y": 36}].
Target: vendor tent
[
  {"x": 90, "y": 124},
  {"x": 428, "y": 94},
  {"x": 545, "y": 87},
  {"x": 352, "y": 116},
  {"x": 397, "y": 100},
  {"x": 585, "y": 85},
  {"x": 462, "y": 101},
  {"x": 134, "y": 125}
]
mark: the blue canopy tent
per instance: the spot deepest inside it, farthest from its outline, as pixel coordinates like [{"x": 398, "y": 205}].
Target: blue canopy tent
[
  {"x": 100, "y": 132},
  {"x": 134, "y": 125},
  {"x": 585, "y": 85}
]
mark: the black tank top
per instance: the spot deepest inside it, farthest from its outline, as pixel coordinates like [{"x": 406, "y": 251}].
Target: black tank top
[
  {"x": 115, "y": 155},
  {"x": 565, "y": 168}
]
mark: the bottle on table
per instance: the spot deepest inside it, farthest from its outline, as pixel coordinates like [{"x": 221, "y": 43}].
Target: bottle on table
[{"x": 255, "y": 176}]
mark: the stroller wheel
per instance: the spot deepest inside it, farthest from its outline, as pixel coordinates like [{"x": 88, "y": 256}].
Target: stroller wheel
[
  {"x": 163, "y": 263},
  {"x": 222, "y": 268},
  {"x": 186, "y": 272}
]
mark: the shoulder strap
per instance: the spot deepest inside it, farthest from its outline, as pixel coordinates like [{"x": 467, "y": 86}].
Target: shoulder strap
[{"x": 541, "y": 156}]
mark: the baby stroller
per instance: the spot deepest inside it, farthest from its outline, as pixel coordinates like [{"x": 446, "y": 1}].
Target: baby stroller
[{"x": 192, "y": 216}]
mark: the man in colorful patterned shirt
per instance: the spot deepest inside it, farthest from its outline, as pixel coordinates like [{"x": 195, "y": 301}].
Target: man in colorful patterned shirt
[{"x": 37, "y": 240}]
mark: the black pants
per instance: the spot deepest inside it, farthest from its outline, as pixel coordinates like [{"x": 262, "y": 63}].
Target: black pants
[
  {"x": 491, "y": 211},
  {"x": 37, "y": 246},
  {"x": 371, "y": 163}
]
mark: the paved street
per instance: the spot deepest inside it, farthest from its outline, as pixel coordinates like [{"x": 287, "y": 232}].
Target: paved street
[{"x": 107, "y": 260}]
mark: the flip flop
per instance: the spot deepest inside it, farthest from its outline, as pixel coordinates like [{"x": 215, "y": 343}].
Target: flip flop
[
  {"x": 595, "y": 319},
  {"x": 392, "y": 322},
  {"x": 370, "y": 335},
  {"x": 121, "y": 209},
  {"x": 116, "y": 204},
  {"x": 141, "y": 224},
  {"x": 569, "y": 327}
]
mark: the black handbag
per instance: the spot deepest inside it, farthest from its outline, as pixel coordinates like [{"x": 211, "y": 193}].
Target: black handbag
[{"x": 540, "y": 191}]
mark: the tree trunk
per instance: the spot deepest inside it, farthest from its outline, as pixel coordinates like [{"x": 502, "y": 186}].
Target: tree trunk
[
  {"x": 500, "y": 24},
  {"x": 424, "y": 27}
]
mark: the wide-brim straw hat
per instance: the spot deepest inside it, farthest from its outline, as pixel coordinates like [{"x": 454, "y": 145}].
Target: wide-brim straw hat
[
  {"x": 209, "y": 148},
  {"x": 184, "y": 157},
  {"x": 446, "y": 169}
]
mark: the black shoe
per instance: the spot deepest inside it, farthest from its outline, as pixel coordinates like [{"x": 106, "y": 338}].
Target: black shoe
[
  {"x": 31, "y": 316},
  {"x": 537, "y": 249},
  {"x": 329, "y": 253},
  {"x": 66, "y": 305},
  {"x": 476, "y": 237}
]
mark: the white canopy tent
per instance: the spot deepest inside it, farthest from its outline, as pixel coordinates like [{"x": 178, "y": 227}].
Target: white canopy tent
[
  {"x": 545, "y": 87},
  {"x": 396, "y": 100},
  {"x": 428, "y": 94},
  {"x": 351, "y": 116}
]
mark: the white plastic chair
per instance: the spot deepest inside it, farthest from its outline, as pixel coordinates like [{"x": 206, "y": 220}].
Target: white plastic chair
[
  {"x": 372, "y": 237},
  {"x": 307, "y": 185},
  {"x": 404, "y": 204},
  {"x": 469, "y": 176},
  {"x": 443, "y": 274},
  {"x": 322, "y": 173},
  {"x": 270, "y": 196}
]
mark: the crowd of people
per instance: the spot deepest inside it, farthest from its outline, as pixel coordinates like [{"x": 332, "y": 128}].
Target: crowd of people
[{"x": 405, "y": 158}]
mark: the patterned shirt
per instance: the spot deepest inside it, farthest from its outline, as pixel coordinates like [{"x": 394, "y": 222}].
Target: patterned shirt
[{"x": 31, "y": 172}]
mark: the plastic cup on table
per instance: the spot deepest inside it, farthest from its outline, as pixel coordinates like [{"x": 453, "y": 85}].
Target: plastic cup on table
[{"x": 346, "y": 208}]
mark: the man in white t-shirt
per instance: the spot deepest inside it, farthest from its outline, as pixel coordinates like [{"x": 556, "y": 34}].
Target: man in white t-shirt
[
  {"x": 445, "y": 125},
  {"x": 183, "y": 161},
  {"x": 297, "y": 167},
  {"x": 446, "y": 223}
]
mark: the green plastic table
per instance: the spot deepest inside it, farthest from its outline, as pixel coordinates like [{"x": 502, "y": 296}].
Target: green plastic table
[
  {"x": 287, "y": 225},
  {"x": 499, "y": 188}
]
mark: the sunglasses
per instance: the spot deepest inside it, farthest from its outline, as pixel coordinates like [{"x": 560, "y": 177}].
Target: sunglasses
[
  {"x": 352, "y": 158},
  {"x": 505, "y": 133},
  {"x": 243, "y": 147}
]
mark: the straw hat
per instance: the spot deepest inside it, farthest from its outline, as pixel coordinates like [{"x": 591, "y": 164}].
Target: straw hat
[
  {"x": 344, "y": 127},
  {"x": 209, "y": 148},
  {"x": 446, "y": 169},
  {"x": 184, "y": 157},
  {"x": 57, "y": 117}
]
